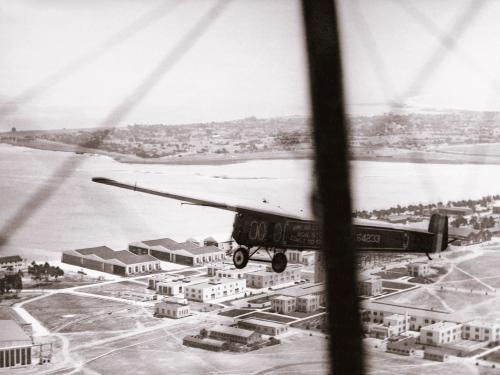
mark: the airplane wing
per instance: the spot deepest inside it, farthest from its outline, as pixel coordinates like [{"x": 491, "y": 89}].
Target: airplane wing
[
  {"x": 304, "y": 233},
  {"x": 194, "y": 201}
]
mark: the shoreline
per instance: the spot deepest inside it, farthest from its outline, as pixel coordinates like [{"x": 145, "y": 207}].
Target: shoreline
[{"x": 417, "y": 157}]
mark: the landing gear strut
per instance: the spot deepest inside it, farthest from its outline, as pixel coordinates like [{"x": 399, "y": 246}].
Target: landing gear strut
[{"x": 240, "y": 257}]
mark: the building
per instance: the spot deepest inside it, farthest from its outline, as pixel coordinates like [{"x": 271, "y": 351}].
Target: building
[
  {"x": 481, "y": 330},
  {"x": 174, "y": 286},
  {"x": 468, "y": 236},
  {"x": 210, "y": 241},
  {"x": 440, "y": 333},
  {"x": 496, "y": 207},
  {"x": 418, "y": 269},
  {"x": 371, "y": 286},
  {"x": 234, "y": 335},
  {"x": 308, "y": 303},
  {"x": 104, "y": 259},
  {"x": 264, "y": 327},
  {"x": 187, "y": 253},
  {"x": 229, "y": 270},
  {"x": 283, "y": 304},
  {"x": 398, "y": 323},
  {"x": 205, "y": 343},
  {"x": 215, "y": 289},
  {"x": 15, "y": 345},
  {"x": 463, "y": 211},
  {"x": 319, "y": 267},
  {"x": 435, "y": 354},
  {"x": 172, "y": 308},
  {"x": 390, "y": 326},
  {"x": 11, "y": 263},
  {"x": 300, "y": 257},
  {"x": 374, "y": 312},
  {"x": 297, "y": 291},
  {"x": 268, "y": 278}
]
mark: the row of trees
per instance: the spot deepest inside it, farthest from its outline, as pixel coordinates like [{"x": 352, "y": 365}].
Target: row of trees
[
  {"x": 43, "y": 272},
  {"x": 474, "y": 221},
  {"x": 418, "y": 209},
  {"x": 11, "y": 281}
]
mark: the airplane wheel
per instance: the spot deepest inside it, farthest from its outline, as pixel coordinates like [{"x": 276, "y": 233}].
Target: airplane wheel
[
  {"x": 240, "y": 258},
  {"x": 279, "y": 262}
]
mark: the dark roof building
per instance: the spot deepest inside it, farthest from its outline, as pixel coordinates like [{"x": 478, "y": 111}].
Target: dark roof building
[
  {"x": 188, "y": 253},
  {"x": 10, "y": 259},
  {"x": 232, "y": 334},
  {"x": 102, "y": 258}
]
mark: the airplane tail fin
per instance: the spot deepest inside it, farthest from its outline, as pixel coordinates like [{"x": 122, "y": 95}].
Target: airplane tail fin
[{"x": 439, "y": 226}]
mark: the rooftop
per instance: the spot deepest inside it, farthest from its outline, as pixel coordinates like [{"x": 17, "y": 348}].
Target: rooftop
[
  {"x": 232, "y": 331},
  {"x": 189, "y": 246},
  {"x": 440, "y": 326},
  {"x": 210, "y": 284},
  {"x": 123, "y": 256},
  {"x": 302, "y": 290},
  {"x": 170, "y": 244},
  {"x": 12, "y": 332},
  {"x": 10, "y": 259},
  {"x": 284, "y": 298},
  {"x": 264, "y": 323}
]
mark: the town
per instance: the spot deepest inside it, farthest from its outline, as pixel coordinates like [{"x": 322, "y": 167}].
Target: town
[
  {"x": 410, "y": 306},
  {"x": 391, "y": 136}
]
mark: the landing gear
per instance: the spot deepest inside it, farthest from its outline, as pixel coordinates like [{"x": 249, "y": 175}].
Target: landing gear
[
  {"x": 279, "y": 262},
  {"x": 240, "y": 257}
]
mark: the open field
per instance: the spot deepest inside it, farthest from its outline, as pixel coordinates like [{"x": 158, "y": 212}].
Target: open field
[
  {"x": 470, "y": 284},
  {"x": 461, "y": 300},
  {"x": 308, "y": 353},
  {"x": 120, "y": 289},
  {"x": 457, "y": 254},
  {"x": 485, "y": 265},
  {"x": 379, "y": 362},
  {"x": 70, "y": 313},
  {"x": 419, "y": 298},
  {"x": 455, "y": 275}
]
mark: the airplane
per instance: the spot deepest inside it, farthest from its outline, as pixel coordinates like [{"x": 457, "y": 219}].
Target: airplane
[{"x": 255, "y": 229}]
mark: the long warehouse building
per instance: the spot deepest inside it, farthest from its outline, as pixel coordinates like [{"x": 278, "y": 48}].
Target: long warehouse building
[{"x": 104, "y": 259}]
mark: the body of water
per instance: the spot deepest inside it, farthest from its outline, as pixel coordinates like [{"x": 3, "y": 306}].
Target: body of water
[{"x": 81, "y": 213}]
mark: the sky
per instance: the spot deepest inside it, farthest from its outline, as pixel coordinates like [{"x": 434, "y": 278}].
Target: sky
[{"x": 72, "y": 63}]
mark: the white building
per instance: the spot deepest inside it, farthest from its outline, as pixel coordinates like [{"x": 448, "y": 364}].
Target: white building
[
  {"x": 300, "y": 257},
  {"x": 283, "y": 304},
  {"x": 267, "y": 278},
  {"x": 440, "y": 333},
  {"x": 308, "y": 303},
  {"x": 173, "y": 285},
  {"x": 15, "y": 345},
  {"x": 215, "y": 289},
  {"x": 172, "y": 308},
  {"x": 481, "y": 330},
  {"x": 418, "y": 269},
  {"x": 229, "y": 270}
]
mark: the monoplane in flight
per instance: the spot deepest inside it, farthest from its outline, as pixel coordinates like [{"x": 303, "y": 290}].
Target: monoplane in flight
[{"x": 256, "y": 229}]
